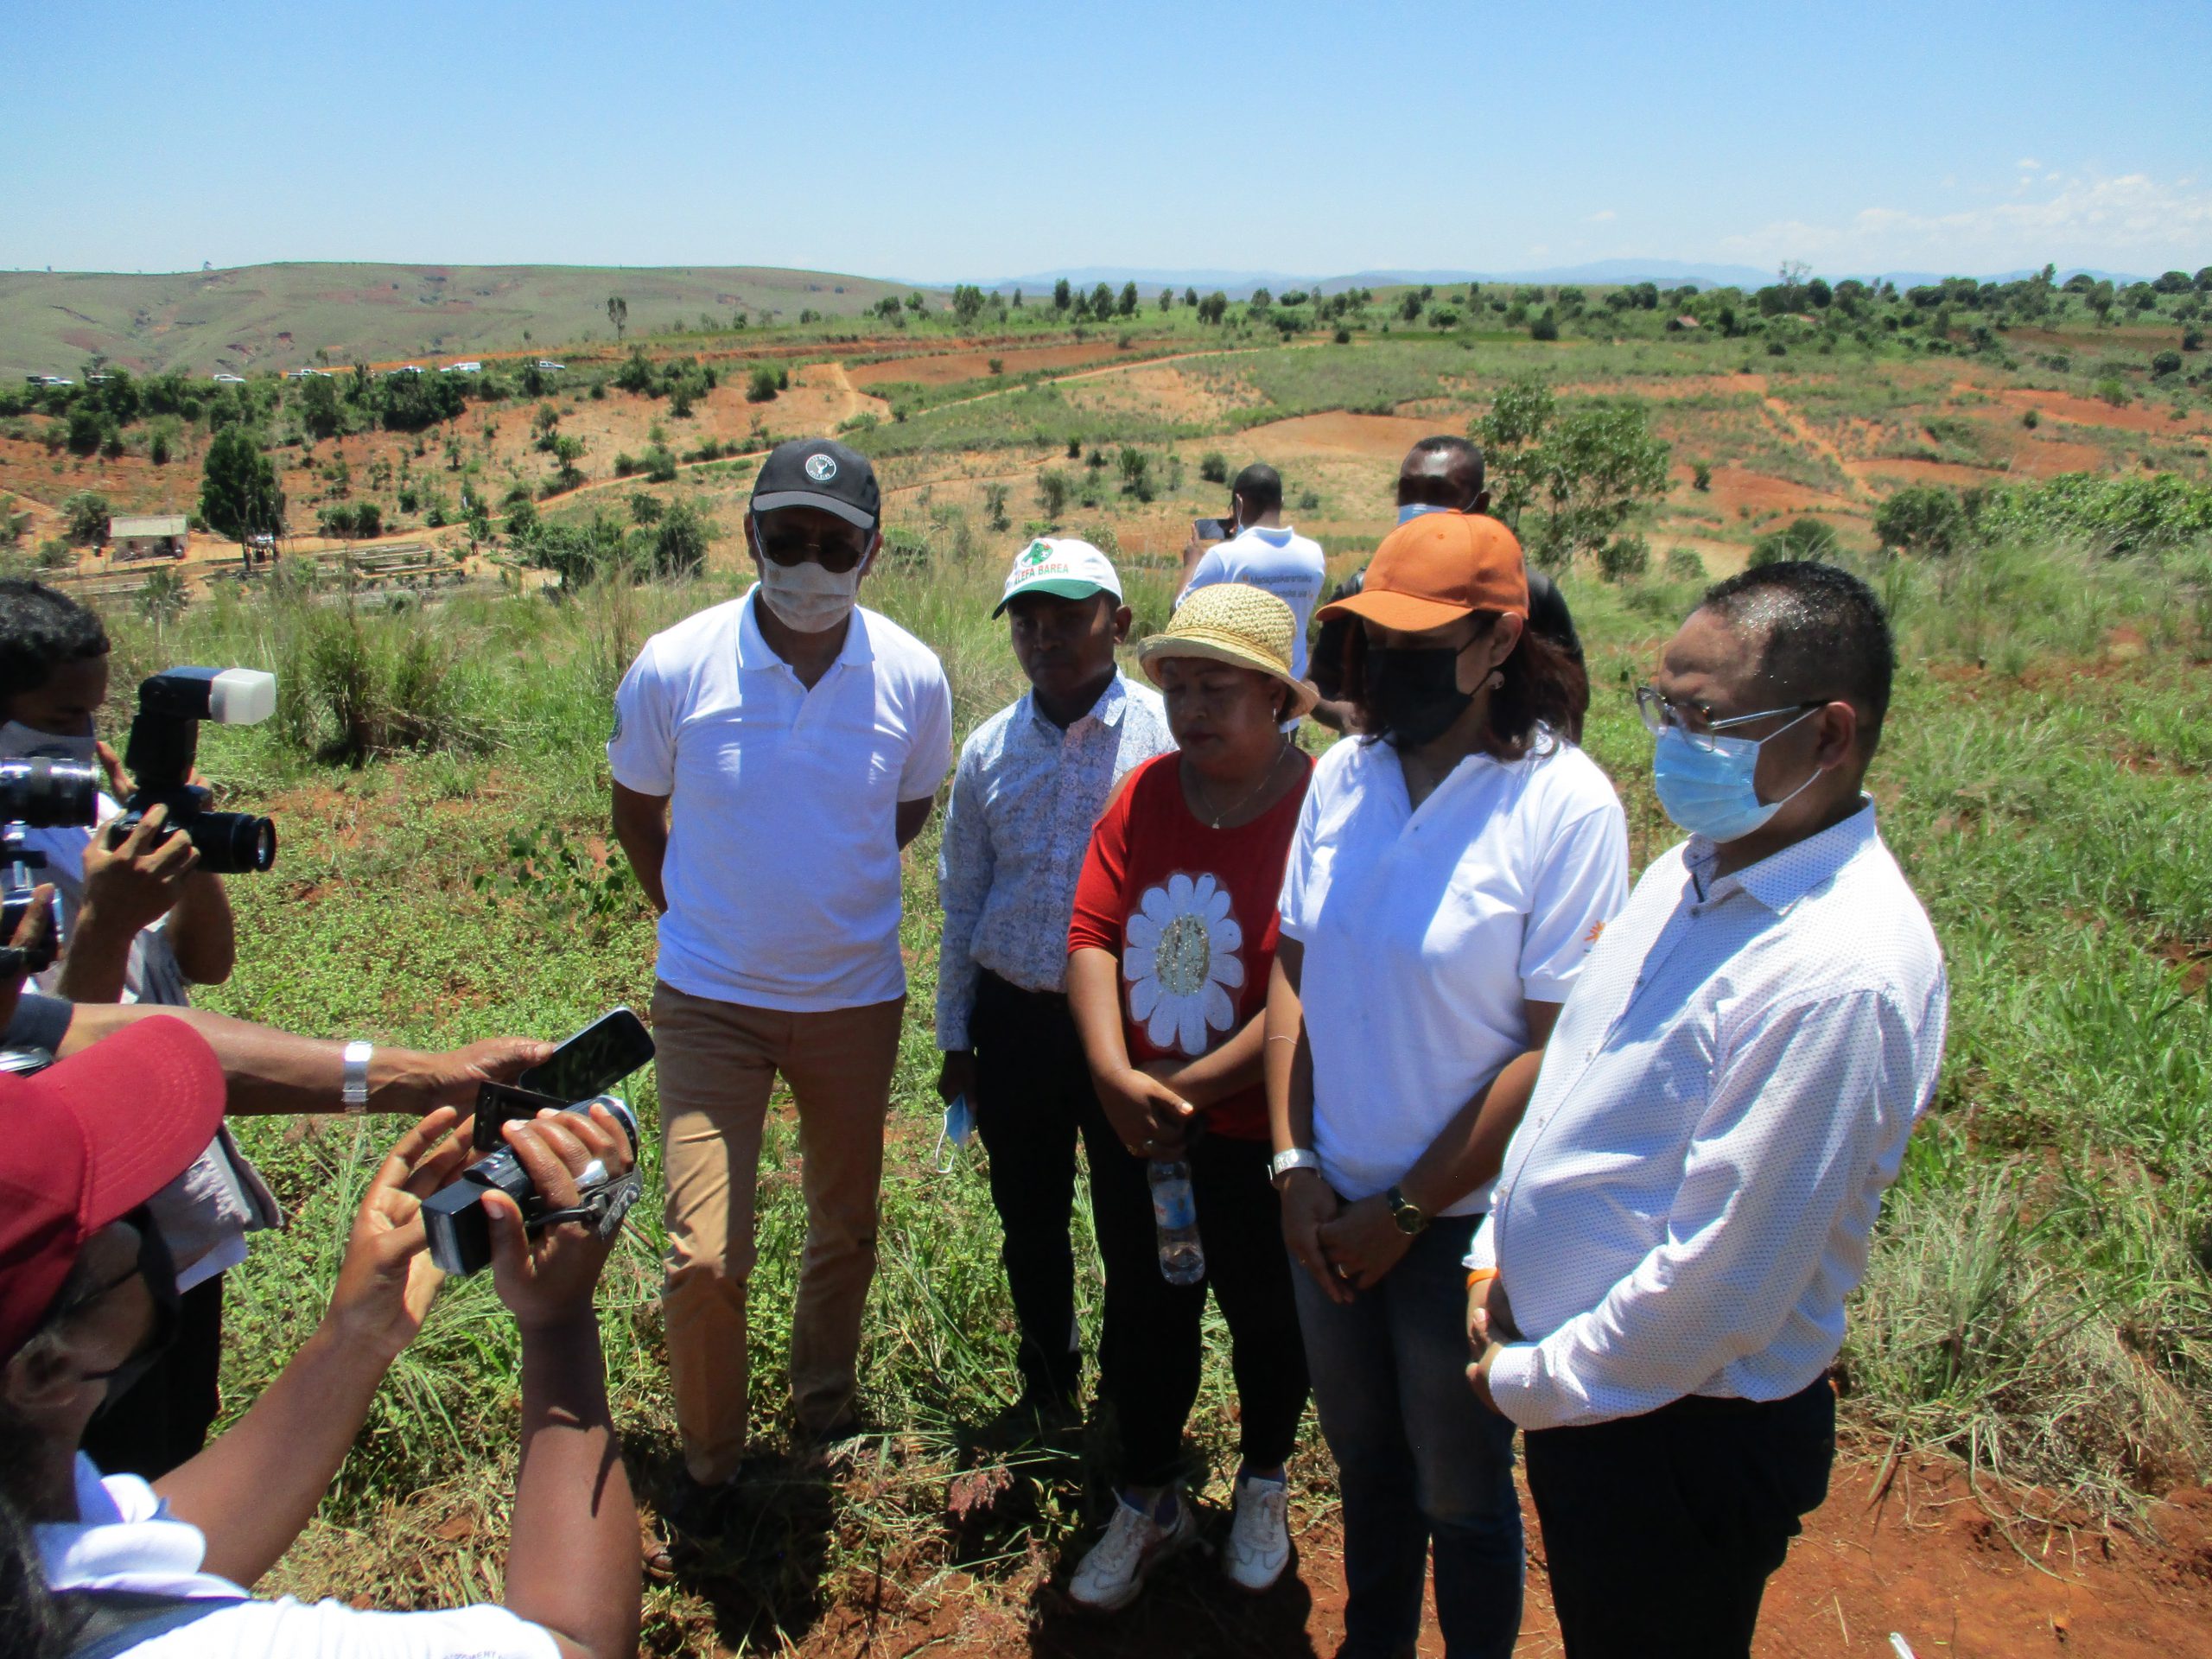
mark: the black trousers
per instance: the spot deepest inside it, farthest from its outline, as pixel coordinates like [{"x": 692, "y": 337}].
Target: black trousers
[
  {"x": 1150, "y": 1352},
  {"x": 1661, "y": 1530},
  {"x": 163, "y": 1421},
  {"x": 1032, "y": 1100}
]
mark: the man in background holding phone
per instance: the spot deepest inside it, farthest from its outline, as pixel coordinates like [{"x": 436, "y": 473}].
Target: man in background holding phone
[
  {"x": 1261, "y": 550},
  {"x": 771, "y": 757}
]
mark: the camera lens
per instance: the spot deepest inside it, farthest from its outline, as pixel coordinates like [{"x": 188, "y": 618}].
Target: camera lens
[
  {"x": 232, "y": 843},
  {"x": 49, "y": 794}
]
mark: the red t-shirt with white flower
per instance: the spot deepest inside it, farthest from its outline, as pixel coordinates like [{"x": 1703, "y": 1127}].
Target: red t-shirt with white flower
[{"x": 1190, "y": 911}]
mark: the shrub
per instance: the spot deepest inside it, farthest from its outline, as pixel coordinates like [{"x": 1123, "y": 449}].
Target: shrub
[
  {"x": 350, "y": 687},
  {"x": 2114, "y": 391},
  {"x": 1684, "y": 564},
  {"x": 84, "y": 517},
  {"x": 1624, "y": 558},
  {"x": 1545, "y": 326},
  {"x": 660, "y": 464},
  {"x": 994, "y": 506},
  {"x": 2166, "y": 362},
  {"x": 1807, "y": 539},
  {"x": 1701, "y": 476},
  {"x": 1213, "y": 466},
  {"x": 2031, "y": 420},
  {"x": 1053, "y": 492},
  {"x": 644, "y": 509},
  {"x": 1921, "y": 519}
]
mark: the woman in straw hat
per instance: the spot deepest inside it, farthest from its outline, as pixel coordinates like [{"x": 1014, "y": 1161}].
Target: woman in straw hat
[
  {"x": 1169, "y": 952},
  {"x": 1452, "y": 868}
]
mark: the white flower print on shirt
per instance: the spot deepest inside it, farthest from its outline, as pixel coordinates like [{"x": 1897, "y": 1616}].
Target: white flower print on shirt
[{"x": 1181, "y": 962}]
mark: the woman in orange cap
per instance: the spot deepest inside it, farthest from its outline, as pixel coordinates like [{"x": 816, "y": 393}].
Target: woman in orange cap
[{"x": 1452, "y": 866}]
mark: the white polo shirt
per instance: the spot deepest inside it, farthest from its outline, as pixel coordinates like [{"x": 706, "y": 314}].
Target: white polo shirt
[
  {"x": 1425, "y": 932},
  {"x": 125, "y": 1539},
  {"x": 782, "y": 872}
]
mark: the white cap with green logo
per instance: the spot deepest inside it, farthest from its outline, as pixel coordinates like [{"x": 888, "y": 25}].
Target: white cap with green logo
[{"x": 1060, "y": 565}]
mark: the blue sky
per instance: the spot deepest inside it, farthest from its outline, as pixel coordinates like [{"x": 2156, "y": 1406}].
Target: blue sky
[{"x": 939, "y": 142}]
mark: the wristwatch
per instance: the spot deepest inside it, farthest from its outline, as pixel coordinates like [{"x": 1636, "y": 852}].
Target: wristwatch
[
  {"x": 1297, "y": 1158},
  {"x": 354, "y": 1090},
  {"x": 1411, "y": 1219}
]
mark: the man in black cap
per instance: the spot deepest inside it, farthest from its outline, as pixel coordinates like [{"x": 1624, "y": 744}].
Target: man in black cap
[{"x": 770, "y": 756}]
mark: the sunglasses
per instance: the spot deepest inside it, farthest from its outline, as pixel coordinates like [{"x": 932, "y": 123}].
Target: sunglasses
[{"x": 789, "y": 548}]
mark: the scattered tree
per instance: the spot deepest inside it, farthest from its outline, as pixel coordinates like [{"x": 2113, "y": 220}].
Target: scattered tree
[
  {"x": 1921, "y": 519},
  {"x": 84, "y": 518},
  {"x": 618, "y": 313},
  {"x": 238, "y": 495}
]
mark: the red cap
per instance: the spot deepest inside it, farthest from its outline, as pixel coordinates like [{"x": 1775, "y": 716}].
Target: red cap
[
  {"x": 89, "y": 1140},
  {"x": 1435, "y": 570}
]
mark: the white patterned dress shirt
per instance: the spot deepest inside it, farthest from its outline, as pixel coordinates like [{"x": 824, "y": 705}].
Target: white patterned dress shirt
[
  {"x": 1727, "y": 1095},
  {"x": 1025, "y": 796}
]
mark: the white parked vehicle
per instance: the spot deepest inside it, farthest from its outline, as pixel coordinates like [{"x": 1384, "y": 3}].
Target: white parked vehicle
[{"x": 230, "y": 379}]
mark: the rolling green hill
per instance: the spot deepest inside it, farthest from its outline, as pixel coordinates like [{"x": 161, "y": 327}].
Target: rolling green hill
[{"x": 278, "y": 316}]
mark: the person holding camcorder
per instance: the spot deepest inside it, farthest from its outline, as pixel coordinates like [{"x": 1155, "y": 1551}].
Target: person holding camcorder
[
  {"x": 142, "y": 917},
  {"x": 88, "y": 1302}
]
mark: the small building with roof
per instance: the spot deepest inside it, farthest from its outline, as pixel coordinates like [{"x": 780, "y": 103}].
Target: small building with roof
[{"x": 149, "y": 536}]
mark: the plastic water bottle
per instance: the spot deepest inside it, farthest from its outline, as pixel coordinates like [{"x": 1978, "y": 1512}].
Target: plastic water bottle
[{"x": 1182, "y": 1258}]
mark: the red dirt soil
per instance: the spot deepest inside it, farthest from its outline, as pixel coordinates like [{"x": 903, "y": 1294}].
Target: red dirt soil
[
  {"x": 1921, "y": 1557},
  {"x": 1382, "y": 438}
]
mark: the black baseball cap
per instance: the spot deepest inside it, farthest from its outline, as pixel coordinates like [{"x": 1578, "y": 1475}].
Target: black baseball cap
[{"x": 819, "y": 473}]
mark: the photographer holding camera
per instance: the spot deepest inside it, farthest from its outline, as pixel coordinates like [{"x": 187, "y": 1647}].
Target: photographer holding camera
[
  {"x": 87, "y": 1303},
  {"x": 144, "y": 923}
]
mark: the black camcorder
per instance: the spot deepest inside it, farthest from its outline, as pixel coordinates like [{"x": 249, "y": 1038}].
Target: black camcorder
[
  {"x": 36, "y": 794},
  {"x": 582, "y": 1069},
  {"x": 165, "y": 742}
]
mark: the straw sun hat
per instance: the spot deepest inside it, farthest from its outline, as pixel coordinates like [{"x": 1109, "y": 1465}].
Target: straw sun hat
[{"x": 1235, "y": 623}]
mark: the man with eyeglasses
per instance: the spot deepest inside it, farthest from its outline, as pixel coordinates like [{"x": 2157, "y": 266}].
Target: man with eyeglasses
[
  {"x": 771, "y": 755},
  {"x": 1659, "y": 1292}
]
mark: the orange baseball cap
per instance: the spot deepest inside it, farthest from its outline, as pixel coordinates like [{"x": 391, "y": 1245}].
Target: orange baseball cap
[{"x": 1436, "y": 569}]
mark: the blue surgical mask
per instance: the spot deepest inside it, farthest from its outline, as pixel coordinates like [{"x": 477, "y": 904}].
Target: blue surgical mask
[
  {"x": 1413, "y": 510},
  {"x": 1710, "y": 793}
]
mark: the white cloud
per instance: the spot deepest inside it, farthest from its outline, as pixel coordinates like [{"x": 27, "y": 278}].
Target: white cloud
[
  {"x": 2133, "y": 222},
  {"x": 2028, "y": 164},
  {"x": 1603, "y": 216}
]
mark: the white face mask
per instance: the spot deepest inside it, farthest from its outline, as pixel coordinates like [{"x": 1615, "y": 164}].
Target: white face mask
[
  {"x": 21, "y": 743},
  {"x": 807, "y": 598}
]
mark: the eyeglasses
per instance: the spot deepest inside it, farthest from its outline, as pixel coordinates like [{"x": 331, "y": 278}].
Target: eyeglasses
[
  {"x": 791, "y": 547},
  {"x": 1696, "y": 721}
]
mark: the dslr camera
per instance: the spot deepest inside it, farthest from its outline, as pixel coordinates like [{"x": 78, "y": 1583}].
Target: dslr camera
[
  {"x": 36, "y": 794},
  {"x": 165, "y": 742},
  {"x": 575, "y": 1079}
]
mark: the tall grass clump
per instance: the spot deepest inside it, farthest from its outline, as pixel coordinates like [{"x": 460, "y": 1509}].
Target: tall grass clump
[{"x": 352, "y": 687}]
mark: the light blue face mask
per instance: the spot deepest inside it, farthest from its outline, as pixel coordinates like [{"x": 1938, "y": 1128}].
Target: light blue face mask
[
  {"x": 1710, "y": 793},
  {"x": 1413, "y": 510}
]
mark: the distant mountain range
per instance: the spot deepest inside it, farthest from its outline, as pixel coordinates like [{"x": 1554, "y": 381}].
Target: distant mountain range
[{"x": 1668, "y": 273}]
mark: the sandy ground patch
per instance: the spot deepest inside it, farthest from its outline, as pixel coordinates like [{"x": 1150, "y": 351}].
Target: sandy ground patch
[
  {"x": 943, "y": 368},
  {"x": 1894, "y": 472},
  {"x": 1376, "y": 437},
  {"x": 1160, "y": 391}
]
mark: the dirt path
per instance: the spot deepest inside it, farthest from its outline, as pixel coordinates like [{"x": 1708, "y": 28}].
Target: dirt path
[
  {"x": 1919, "y": 1556},
  {"x": 1800, "y": 429}
]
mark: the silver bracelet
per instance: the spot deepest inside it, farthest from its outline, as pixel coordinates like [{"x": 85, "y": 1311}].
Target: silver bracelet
[{"x": 355, "y": 1090}]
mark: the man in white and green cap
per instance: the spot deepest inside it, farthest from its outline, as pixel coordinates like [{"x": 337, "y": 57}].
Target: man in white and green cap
[{"x": 1031, "y": 781}]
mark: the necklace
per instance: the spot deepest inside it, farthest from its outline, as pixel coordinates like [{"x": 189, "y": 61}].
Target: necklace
[{"x": 1249, "y": 796}]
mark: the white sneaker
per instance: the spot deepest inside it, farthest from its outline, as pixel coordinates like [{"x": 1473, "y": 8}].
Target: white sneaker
[
  {"x": 1259, "y": 1538},
  {"x": 1112, "y": 1572}
]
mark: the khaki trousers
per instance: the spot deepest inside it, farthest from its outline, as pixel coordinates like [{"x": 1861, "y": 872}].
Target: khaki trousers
[{"x": 716, "y": 1063}]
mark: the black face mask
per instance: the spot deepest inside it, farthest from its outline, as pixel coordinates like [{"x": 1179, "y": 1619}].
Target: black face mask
[
  {"x": 158, "y": 1268},
  {"x": 1412, "y": 692}
]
